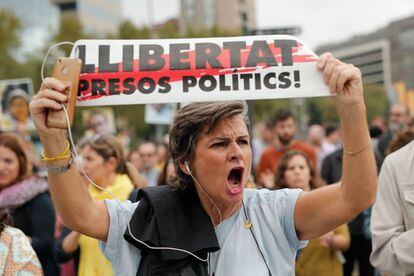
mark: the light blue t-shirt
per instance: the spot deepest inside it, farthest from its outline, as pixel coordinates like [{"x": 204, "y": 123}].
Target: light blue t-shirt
[{"x": 272, "y": 215}]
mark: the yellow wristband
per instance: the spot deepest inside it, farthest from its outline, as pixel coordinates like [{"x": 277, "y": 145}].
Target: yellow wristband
[{"x": 64, "y": 154}]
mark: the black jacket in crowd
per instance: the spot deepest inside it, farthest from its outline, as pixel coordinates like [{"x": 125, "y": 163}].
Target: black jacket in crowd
[{"x": 36, "y": 218}]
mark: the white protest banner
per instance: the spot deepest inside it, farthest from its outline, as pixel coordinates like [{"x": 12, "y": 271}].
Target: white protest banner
[
  {"x": 160, "y": 114},
  {"x": 117, "y": 72}
]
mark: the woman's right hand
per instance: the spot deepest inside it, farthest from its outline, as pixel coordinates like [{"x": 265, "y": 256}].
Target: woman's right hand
[{"x": 50, "y": 96}]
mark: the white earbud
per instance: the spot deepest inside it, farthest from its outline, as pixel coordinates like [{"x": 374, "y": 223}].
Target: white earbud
[{"x": 187, "y": 167}]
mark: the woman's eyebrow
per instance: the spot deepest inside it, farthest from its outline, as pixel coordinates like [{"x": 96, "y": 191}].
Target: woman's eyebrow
[
  {"x": 225, "y": 138},
  {"x": 222, "y": 139},
  {"x": 243, "y": 137}
]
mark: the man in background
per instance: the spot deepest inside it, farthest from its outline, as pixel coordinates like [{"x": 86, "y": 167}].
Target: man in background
[
  {"x": 284, "y": 130},
  {"x": 148, "y": 152}
]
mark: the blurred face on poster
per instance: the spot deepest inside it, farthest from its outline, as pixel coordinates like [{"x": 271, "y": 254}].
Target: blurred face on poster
[
  {"x": 98, "y": 124},
  {"x": 15, "y": 95},
  {"x": 19, "y": 109},
  {"x": 100, "y": 121}
]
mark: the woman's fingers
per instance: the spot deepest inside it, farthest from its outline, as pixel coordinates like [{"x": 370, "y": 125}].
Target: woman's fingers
[
  {"x": 349, "y": 74},
  {"x": 53, "y": 95},
  {"x": 336, "y": 73},
  {"x": 329, "y": 64},
  {"x": 52, "y": 83},
  {"x": 345, "y": 75},
  {"x": 323, "y": 60},
  {"x": 38, "y": 105},
  {"x": 49, "y": 96}
]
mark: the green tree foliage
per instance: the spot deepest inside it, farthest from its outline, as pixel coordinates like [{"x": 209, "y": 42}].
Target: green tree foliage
[
  {"x": 376, "y": 100},
  {"x": 127, "y": 30},
  {"x": 264, "y": 110},
  {"x": 70, "y": 30},
  {"x": 323, "y": 110},
  {"x": 9, "y": 40},
  {"x": 212, "y": 32},
  {"x": 315, "y": 114},
  {"x": 168, "y": 30}
]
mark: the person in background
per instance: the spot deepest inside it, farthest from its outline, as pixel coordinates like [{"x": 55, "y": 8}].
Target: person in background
[
  {"x": 380, "y": 122},
  {"x": 323, "y": 256},
  {"x": 162, "y": 156},
  {"x": 27, "y": 198},
  {"x": 401, "y": 139},
  {"x": 103, "y": 162},
  {"x": 123, "y": 131},
  {"x": 98, "y": 123},
  {"x": 284, "y": 130},
  {"x": 262, "y": 139},
  {"x": 167, "y": 174},
  {"x": 360, "y": 247},
  {"x": 398, "y": 121},
  {"x": 164, "y": 178},
  {"x": 333, "y": 139},
  {"x": 392, "y": 218},
  {"x": 17, "y": 255},
  {"x": 376, "y": 134},
  {"x": 134, "y": 159},
  {"x": 316, "y": 137},
  {"x": 148, "y": 152},
  {"x": 17, "y": 120}
]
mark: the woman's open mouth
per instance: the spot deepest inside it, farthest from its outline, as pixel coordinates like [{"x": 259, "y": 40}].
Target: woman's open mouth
[{"x": 234, "y": 180}]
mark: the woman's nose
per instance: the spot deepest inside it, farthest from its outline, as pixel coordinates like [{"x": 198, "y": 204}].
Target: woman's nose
[{"x": 235, "y": 152}]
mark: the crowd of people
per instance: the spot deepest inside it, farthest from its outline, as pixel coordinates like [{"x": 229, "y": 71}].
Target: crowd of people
[{"x": 318, "y": 188}]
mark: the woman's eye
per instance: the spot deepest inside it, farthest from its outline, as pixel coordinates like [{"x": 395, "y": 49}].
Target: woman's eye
[
  {"x": 243, "y": 142},
  {"x": 217, "y": 145},
  {"x": 8, "y": 161},
  {"x": 87, "y": 158}
]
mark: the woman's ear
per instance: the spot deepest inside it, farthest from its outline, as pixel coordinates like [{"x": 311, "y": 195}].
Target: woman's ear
[
  {"x": 185, "y": 167},
  {"x": 112, "y": 162}
]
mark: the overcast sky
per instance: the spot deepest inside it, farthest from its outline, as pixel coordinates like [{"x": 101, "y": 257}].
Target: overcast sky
[{"x": 322, "y": 21}]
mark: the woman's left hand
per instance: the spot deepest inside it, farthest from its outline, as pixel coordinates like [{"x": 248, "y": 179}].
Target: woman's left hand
[{"x": 343, "y": 79}]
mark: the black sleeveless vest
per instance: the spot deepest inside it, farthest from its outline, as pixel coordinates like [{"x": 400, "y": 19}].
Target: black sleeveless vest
[{"x": 171, "y": 218}]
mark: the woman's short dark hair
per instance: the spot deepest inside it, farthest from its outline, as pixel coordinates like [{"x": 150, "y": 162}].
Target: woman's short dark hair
[
  {"x": 280, "y": 180},
  {"x": 190, "y": 123},
  {"x": 281, "y": 116}
]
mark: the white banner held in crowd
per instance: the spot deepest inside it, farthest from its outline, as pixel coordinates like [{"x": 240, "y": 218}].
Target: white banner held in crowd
[
  {"x": 117, "y": 72},
  {"x": 160, "y": 114}
]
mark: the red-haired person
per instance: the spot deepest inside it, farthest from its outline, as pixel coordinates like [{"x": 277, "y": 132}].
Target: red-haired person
[{"x": 323, "y": 255}]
